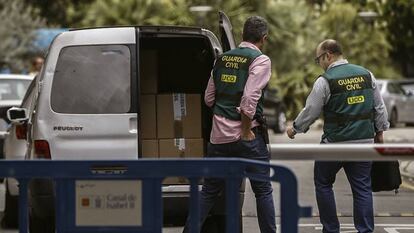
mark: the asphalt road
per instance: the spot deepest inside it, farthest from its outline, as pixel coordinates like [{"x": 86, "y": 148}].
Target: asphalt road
[{"x": 394, "y": 212}]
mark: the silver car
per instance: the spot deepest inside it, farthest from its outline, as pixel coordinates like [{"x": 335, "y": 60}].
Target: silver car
[
  {"x": 399, "y": 103},
  {"x": 407, "y": 85},
  {"x": 14, "y": 146},
  {"x": 12, "y": 90}
]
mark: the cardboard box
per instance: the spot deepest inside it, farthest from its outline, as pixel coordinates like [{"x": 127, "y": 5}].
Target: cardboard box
[
  {"x": 148, "y": 117},
  {"x": 148, "y": 71},
  {"x": 149, "y": 148},
  {"x": 181, "y": 148},
  {"x": 178, "y": 116}
]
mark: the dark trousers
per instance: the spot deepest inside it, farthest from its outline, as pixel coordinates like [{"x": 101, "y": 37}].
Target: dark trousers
[
  {"x": 256, "y": 150},
  {"x": 359, "y": 177}
]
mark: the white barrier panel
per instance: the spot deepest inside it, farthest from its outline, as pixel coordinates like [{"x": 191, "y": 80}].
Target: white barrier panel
[{"x": 342, "y": 152}]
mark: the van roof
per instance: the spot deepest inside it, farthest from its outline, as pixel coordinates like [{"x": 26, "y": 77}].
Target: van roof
[{"x": 150, "y": 28}]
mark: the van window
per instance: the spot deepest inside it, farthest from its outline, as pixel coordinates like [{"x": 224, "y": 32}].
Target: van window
[{"x": 92, "y": 80}]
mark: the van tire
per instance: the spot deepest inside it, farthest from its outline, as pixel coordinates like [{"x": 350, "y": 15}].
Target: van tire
[
  {"x": 41, "y": 225},
  {"x": 11, "y": 211}
]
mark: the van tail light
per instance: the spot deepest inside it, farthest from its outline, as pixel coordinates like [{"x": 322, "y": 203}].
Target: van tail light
[
  {"x": 41, "y": 149},
  {"x": 21, "y": 131}
]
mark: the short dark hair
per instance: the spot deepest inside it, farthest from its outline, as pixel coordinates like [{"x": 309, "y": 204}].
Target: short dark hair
[
  {"x": 254, "y": 29},
  {"x": 331, "y": 46}
]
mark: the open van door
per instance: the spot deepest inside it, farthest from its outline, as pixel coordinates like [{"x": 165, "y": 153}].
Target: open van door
[{"x": 226, "y": 32}]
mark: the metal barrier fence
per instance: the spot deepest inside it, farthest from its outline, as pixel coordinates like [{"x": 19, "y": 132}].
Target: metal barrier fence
[
  {"x": 343, "y": 152},
  {"x": 76, "y": 181}
]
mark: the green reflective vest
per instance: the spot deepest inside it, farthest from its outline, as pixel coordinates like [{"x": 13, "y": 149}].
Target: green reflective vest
[
  {"x": 349, "y": 112},
  {"x": 230, "y": 74}
]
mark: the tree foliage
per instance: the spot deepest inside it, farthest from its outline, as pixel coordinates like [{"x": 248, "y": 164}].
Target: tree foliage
[
  {"x": 293, "y": 36},
  {"x": 132, "y": 12},
  {"x": 364, "y": 43},
  {"x": 16, "y": 33},
  {"x": 296, "y": 27},
  {"x": 60, "y": 13},
  {"x": 399, "y": 15}
]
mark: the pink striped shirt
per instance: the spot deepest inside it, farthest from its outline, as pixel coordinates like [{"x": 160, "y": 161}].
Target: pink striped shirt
[{"x": 225, "y": 130}]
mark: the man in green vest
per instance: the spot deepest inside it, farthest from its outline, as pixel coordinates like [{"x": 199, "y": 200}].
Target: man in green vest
[
  {"x": 354, "y": 112},
  {"x": 235, "y": 94}
]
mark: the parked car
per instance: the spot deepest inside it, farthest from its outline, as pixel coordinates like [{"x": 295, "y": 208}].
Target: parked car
[
  {"x": 274, "y": 111},
  {"x": 398, "y": 102},
  {"x": 15, "y": 147},
  {"x": 407, "y": 85},
  {"x": 88, "y": 103},
  {"x": 12, "y": 89}
]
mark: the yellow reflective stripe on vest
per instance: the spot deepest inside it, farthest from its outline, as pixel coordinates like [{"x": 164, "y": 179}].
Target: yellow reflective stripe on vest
[
  {"x": 356, "y": 99},
  {"x": 228, "y": 78}
]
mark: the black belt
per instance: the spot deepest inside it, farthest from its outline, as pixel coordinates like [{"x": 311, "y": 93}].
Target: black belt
[
  {"x": 230, "y": 97},
  {"x": 341, "y": 119}
]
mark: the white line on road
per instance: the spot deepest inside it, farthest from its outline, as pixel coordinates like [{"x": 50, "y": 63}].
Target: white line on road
[
  {"x": 394, "y": 229},
  {"x": 389, "y": 228},
  {"x": 407, "y": 185},
  {"x": 351, "y": 224},
  {"x": 342, "y": 231}
]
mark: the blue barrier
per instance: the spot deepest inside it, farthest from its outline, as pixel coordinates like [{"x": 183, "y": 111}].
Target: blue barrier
[{"x": 151, "y": 172}]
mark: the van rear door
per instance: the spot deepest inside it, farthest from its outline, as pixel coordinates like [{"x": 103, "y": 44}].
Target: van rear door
[
  {"x": 91, "y": 110},
  {"x": 226, "y": 32}
]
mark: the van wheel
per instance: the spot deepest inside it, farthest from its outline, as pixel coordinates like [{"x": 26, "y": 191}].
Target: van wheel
[
  {"x": 11, "y": 210},
  {"x": 280, "y": 126},
  {"x": 394, "y": 118},
  {"x": 41, "y": 225}
]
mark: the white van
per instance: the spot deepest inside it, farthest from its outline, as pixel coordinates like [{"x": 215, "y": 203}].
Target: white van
[{"x": 88, "y": 101}]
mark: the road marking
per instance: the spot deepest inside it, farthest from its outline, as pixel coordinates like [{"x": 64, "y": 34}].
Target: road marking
[
  {"x": 349, "y": 228},
  {"x": 407, "y": 186},
  {"x": 383, "y": 214},
  {"x": 394, "y": 229},
  {"x": 379, "y": 214},
  {"x": 342, "y": 231},
  {"x": 351, "y": 225}
]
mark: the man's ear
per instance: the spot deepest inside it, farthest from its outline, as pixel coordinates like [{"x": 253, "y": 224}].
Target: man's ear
[
  {"x": 264, "y": 38},
  {"x": 328, "y": 56}
]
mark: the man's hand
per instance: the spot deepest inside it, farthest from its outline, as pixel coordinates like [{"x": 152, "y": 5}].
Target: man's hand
[
  {"x": 379, "y": 137},
  {"x": 248, "y": 136},
  {"x": 291, "y": 132}
]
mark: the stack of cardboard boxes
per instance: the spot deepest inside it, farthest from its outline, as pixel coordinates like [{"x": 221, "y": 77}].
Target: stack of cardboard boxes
[{"x": 170, "y": 123}]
